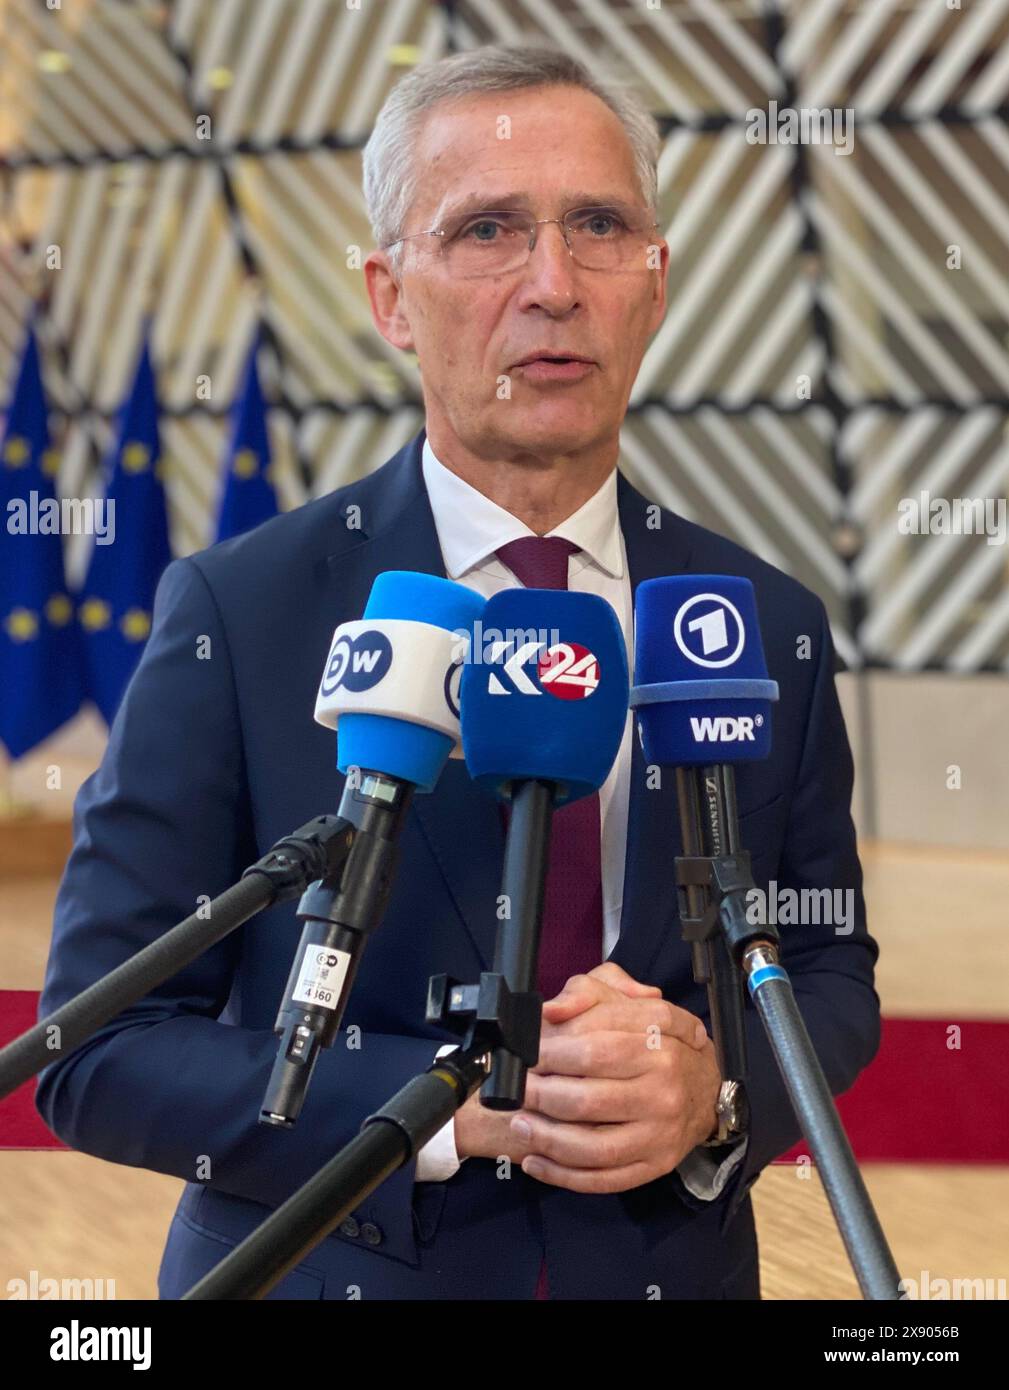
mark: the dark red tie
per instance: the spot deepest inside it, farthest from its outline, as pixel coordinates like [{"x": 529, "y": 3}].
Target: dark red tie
[{"x": 571, "y": 939}]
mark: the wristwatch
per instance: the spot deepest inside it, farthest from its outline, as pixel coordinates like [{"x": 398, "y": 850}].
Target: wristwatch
[{"x": 733, "y": 1111}]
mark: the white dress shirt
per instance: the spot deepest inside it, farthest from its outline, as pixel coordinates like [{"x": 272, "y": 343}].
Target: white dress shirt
[{"x": 471, "y": 528}]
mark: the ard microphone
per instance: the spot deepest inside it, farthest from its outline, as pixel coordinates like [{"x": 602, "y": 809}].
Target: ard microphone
[
  {"x": 701, "y": 689},
  {"x": 544, "y": 706},
  {"x": 390, "y": 689},
  {"x": 703, "y": 703}
]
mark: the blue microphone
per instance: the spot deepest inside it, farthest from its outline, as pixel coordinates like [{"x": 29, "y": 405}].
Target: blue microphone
[
  {"x": 544, "y": 707},
  {"x": 545, "y": 694},
  {"x": 390, "y": 688},
  {"x": 703, "y": 703},
  {"x": 701, "y": 689}
]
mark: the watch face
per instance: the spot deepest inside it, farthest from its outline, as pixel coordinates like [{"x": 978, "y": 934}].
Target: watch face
[{"x": 733, "y": 1107}]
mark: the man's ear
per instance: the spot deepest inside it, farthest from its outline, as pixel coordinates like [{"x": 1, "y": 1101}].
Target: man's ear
[
  {"x": 385, "y": 293},
  {"x": 659, "y": 299}
]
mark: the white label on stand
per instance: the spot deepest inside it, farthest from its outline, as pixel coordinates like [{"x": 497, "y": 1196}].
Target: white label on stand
[{"x": 323, "y": 971}]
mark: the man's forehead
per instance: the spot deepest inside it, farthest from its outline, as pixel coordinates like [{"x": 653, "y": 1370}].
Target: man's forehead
[{"x": 473, "y": 159}]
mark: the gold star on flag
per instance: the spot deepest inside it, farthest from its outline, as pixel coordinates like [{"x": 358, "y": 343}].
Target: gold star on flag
[
  {"x": 51, "y": 463},
  {"x": 16, "y": 452},
  {"x": 58, "y": 610},
  {"x": 95, "y": 614},
  {"x": 246, "y": 463},
  {"x": 21, "y": 624},
  {"x": 135, "y": 625},
  {"x": 135, "y": 457}
]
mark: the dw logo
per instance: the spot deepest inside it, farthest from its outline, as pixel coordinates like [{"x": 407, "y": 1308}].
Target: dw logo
[
  {"x": 566, "y": 670},
  {"x": 357, "y": 663}
]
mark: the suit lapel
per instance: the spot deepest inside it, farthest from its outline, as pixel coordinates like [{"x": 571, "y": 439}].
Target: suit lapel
[
  {"x": 459, "y": 820},
  {"x": 657, "y": 545}
]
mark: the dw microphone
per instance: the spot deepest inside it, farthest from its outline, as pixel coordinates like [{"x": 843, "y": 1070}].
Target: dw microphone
[
  {"x": 543, "y": 714},
  {"x": 703, "y": 703},
  {"x": 390, "y": 688}
]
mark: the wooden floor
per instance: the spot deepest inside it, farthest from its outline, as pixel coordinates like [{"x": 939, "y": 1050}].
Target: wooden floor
[{"x": 940, "y": 920}]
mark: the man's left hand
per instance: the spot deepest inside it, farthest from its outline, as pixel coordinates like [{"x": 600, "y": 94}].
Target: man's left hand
[{"x": 625, "y": 1085}]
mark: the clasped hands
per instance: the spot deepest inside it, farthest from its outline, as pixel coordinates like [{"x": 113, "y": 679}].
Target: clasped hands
[{"x": 625, "y": 1087}]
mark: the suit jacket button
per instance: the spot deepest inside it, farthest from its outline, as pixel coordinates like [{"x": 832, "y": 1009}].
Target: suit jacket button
[
  {"x": 371, "y": 1233},
  {"x": 350, "y": 1227}
]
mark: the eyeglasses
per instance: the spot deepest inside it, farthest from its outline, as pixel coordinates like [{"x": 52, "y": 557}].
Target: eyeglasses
[{"x": 494, "y": 243}]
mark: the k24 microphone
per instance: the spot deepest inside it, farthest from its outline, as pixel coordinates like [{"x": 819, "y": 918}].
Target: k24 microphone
[{"x": 543, "y": 715}]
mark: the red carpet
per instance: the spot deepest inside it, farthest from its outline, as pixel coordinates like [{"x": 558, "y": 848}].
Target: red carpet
[
  {"x": 920, "y": 1101},
  {"x": 20, "y": 1124}
]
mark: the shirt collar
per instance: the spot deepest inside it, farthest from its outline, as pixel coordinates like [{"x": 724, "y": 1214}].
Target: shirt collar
[{"x": 471, "y": 527}]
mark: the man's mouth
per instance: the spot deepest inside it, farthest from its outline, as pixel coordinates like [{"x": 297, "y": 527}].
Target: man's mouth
[
  {"x": 555, "y": 366},
  {"x": 545, "y": 356}
]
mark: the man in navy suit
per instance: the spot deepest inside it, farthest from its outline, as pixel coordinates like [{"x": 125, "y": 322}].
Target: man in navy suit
[{"x": 525, "y": 273}]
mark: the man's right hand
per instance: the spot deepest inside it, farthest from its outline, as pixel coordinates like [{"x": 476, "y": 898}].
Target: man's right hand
[{"x": 483, "y": 1133}]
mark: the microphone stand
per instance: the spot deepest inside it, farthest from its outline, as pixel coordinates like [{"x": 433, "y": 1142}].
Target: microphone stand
[
  {"x": 498, "y": 1020},
  {"x": 712, "y": 964},
  {"x": 713, "y": 879},
  {"x": 317, "y": 850}
]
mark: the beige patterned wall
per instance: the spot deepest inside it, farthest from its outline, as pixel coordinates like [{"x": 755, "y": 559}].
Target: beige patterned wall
[{"x": 821, "y": 359}]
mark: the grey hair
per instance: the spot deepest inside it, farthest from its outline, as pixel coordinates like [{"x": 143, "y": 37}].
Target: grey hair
[{"x": 390, "y": 172}]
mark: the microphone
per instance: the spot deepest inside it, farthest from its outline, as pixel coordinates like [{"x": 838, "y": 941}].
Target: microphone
[
  {"x": 544, "y": 706},
  {"x": 703, "y": 702},
  {"x": 701, "y": 691},
  {"x": 390, "y": 689}
]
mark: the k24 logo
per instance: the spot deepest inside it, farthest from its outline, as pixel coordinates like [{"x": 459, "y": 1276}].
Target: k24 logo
[{"x": 566, "y": 670}]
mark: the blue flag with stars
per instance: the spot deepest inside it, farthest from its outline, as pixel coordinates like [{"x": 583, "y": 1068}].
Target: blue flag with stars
[
  {"x": 247, "y": 495},
  {"x": 41, "y": 664},
  {"x": 117, "y": 597}
]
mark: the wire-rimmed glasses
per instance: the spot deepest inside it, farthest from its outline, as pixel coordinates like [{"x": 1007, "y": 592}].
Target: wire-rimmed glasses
[{"x": 491, "y": 242}]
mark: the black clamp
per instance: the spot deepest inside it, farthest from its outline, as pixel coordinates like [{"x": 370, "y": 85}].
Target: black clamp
[
  {"x": 487, "y": 1015},
  {"x": 728, "y": 879}
]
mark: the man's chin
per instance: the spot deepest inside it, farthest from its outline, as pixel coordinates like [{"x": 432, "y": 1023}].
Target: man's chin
[{"x": 552, "y": 432}]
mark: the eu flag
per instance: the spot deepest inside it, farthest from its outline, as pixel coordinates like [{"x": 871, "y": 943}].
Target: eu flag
[
  {"x": 247, "y": 495},
  {"x": 41, "y": 672},
  {"x": 117, "y": 597}
]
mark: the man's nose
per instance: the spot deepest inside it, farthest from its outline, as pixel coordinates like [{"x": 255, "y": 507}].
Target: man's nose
[{"x": 550, "y": 273}]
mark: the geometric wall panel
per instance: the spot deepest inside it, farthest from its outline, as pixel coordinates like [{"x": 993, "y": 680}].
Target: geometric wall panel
[{"x": 837, "y": 337}]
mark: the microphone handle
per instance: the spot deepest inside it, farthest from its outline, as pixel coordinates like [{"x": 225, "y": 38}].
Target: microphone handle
[
  {"x": 339, "y": 913},
  {"x": 709, "y": 825},
  {"x": 516, "y": 953}
]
